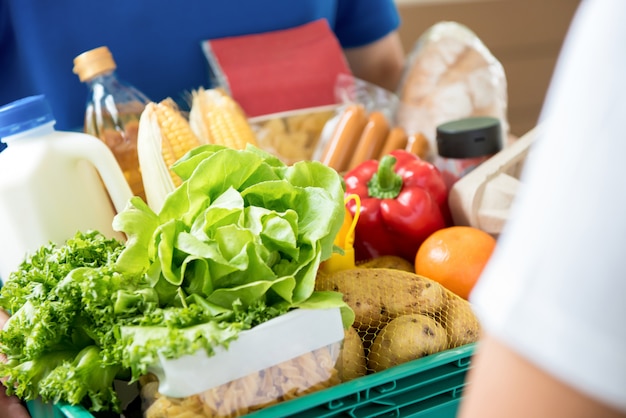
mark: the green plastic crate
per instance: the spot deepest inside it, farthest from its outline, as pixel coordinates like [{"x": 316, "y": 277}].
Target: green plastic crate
[{"x": 430, "y": 387}]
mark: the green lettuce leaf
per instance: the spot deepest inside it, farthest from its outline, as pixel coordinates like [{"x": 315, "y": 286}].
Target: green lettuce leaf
[{"x": 242, "y": 227}]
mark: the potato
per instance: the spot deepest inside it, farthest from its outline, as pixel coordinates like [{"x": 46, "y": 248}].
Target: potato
[
  {"x": 378, "y": 295},
  {"x": 406, "y": 338},
  {"x": 460, "y": 322},
  {"x": 365, "y": 304},
  {"x": 351, "y": 362},
  {"x": 389, "y": 261}
]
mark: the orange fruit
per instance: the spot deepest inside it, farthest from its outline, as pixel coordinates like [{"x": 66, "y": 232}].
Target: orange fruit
[{"x": 455, "y": 257}]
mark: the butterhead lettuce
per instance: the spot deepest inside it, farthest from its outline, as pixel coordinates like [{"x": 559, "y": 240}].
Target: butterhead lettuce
[
  {"x": 243, "y": 229},
  {"x": 242, "y": 226}
]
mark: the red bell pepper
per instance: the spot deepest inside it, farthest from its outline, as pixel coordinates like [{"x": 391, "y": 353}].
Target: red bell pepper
[{"x": 404, "y": 199}]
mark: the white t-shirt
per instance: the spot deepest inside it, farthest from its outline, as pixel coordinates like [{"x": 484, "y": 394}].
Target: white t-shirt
[{"x": 555, "y": 288}]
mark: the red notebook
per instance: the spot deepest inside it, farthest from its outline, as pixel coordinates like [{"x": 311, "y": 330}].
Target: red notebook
[{"x": 281, "y": 70}]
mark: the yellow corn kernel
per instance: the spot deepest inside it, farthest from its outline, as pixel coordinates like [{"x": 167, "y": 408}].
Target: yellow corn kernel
[
  {"x": 217, "y": 118},
  {"x": 177, "y": 136}
]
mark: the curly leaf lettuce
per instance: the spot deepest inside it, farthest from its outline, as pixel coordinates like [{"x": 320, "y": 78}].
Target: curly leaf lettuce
[{"x": 68, "y": 304}]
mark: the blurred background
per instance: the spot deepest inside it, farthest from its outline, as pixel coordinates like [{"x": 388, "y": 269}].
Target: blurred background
[{"x": 524, "y": 35}]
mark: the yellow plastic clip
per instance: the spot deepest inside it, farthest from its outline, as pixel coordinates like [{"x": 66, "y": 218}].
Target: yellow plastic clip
[{"x": 344, "y": 240}]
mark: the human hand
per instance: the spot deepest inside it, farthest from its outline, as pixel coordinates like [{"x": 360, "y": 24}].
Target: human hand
[{"x": 10, "y": 406}]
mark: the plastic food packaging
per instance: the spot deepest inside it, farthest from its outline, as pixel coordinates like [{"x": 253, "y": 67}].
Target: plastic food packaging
[
  {"x": 287, "y": 357},
  {"x": 112, "y": 111},
  {"x": 292, "y": 136},
  {"x": 450, "y": 74},
  {"x": 464, "y": 144},
  {"x": 364, "y": 127},
  {"x": 52, "y": 183}
]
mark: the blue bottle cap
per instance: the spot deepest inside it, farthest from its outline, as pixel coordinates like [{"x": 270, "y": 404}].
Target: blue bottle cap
[{"x": 24, "y": 114}]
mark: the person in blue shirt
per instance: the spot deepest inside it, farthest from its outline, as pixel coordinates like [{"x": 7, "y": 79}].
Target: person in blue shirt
[{"x": 156, "y": 43}]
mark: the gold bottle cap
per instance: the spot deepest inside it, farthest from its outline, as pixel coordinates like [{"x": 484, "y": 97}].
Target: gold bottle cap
[{"x": 93, "y": 62}]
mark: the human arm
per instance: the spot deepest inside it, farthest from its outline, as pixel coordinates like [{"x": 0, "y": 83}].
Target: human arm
[
  {"x": 368, "y": 34},
  {"x": 380, "y": 62},
  {"x": 502, "y": 383},
  {"x": 551, "y": 298}
]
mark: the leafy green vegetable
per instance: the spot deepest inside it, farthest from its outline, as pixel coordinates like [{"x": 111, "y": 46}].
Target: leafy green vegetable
[
  {"x": 86, "y": 376},
  {"x": 237, "y": 244},
  {"x": 78, "y": 301},
  {"x": 242, "y": 227}
]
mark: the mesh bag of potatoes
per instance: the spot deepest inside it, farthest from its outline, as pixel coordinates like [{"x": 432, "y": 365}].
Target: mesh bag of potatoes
[
  {"x": 399, "y": 316},
  {"x": 287, "y": 357}
]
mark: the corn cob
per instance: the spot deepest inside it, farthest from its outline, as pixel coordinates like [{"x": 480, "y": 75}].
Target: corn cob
[
  {"x": 177, "y": 136},
  {"x": 218, "y": 119},
  {"x": 164, "y": 137}
]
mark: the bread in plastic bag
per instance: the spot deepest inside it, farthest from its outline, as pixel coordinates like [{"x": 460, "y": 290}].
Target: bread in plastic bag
[{"x": 450, "y": 74}]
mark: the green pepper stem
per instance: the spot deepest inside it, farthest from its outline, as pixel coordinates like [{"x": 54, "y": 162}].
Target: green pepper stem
[{"x": 385, "y": 183}]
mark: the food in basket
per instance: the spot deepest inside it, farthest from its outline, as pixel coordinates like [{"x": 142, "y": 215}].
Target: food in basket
[
  {"x": 450, "y": 74},
  {"x": 404, "y": 199},
  {"x": 355, "y": 135},
  {"x": 381, "y": 296},
  {"x": 292, "y": 136},
  {"x": 396, "y": 139},
  {"x": 371, "y": 140},
  {"x": 406, "y": 338},
  {"x": 216, "y": 118},
  {"x": 340, "y": 146},
  {"x": 352, "y": 362},
  {"x": 164, "y": 136},
  {"x": 378, "y": 295},
  {"x": 418, "y": 144},
  {"x": 389, "y": 261},
  {"x": 237, "y": 244},
  {"x": 308, "y": 373},
  {"x": 460, "y": 322},
  {"x": 455, "y": 257}
]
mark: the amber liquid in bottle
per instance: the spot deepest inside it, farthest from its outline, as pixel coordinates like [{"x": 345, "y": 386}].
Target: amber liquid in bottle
[
  {"x": 112, "y": 112},
  {"x": 118, "y": 130}
]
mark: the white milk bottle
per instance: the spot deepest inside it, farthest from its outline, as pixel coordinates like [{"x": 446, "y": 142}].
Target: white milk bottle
[{"x": 52, "y": 183}]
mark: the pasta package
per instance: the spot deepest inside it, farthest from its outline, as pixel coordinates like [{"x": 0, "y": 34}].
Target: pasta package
[
  {"x": 287, "y": 357},
  {"x": 292, "y": 136}
]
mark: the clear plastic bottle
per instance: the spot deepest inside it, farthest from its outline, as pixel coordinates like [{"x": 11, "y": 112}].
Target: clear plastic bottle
[
  {"x": 112, "y": 111},
  {"x": 52, "y": 183}
]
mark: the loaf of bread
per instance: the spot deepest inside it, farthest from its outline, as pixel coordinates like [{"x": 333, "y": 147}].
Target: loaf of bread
[{"x": 450, "y": 74}]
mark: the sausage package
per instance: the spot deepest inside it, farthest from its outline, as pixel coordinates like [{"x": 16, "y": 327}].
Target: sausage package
[
  {"x": 286, "y": 357},
  {"x": 450, "y": 74},
  {"x": 364, "y": 127}
]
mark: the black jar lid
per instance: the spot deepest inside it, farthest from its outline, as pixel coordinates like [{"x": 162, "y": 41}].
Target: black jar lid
[{"x": 469, "y": 137}]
